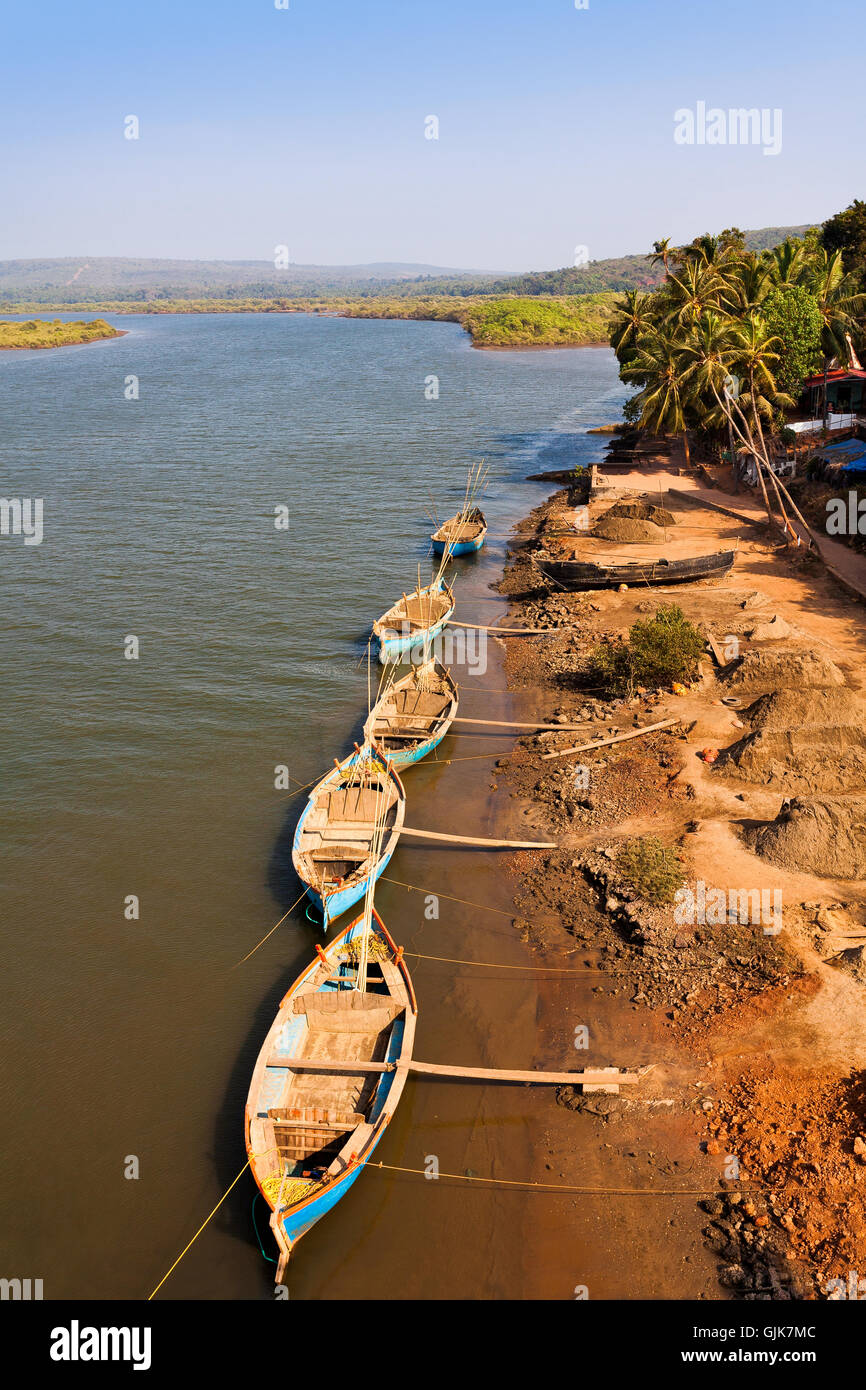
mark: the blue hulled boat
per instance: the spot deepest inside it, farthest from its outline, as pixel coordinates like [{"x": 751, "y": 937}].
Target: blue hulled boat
[
  {"x": 413, "y": 715},
  {"x": 460, "y": 534},
  {"x": 312, "y": 1122},
  {"x": 409, "y": 628},
  {"x": 348, "y": 831}
]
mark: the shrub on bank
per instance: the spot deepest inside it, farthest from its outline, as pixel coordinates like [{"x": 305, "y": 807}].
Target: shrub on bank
[
  {"x": 652, "y": 869},
  {"x": 658, "y": 651}
]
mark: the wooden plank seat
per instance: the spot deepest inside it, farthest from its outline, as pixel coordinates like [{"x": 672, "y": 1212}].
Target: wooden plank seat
[
  {"x": 329, "y": 1001},
  {"x": 355, "y": 853}
]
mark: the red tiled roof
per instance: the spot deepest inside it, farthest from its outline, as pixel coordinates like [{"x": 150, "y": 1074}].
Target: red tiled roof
[{"x": 837, "y": 374}]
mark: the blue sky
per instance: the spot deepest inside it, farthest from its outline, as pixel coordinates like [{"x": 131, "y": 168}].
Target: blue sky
[{"x": 305, "y": 127}]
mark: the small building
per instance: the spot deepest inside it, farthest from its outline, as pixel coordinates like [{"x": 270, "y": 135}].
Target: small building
[{"x": 846, "y": 392}]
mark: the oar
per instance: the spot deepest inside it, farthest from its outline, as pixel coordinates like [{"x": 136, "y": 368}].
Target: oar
[{"x": 476, "y": 840}]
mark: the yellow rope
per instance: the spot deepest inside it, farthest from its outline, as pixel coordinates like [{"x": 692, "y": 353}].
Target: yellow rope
[
  {"x": 566, "y": 1187},
  {"x": 199, "y": 1231},
  {"x": 414, "y": 888},
  {"x": 494, "y": 753},
  {"x": 495, "y": 965},
  {"x": 272, "y": 930}
]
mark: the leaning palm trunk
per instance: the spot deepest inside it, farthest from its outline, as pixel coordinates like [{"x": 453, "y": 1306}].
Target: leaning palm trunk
[{"x": 743, "y": 432}]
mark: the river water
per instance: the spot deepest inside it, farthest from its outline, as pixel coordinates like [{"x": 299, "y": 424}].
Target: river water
[{"x": 128, "y": 1042}]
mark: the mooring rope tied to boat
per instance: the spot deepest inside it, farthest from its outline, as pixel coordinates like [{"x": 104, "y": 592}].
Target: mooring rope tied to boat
[
  {"x": 200, "y": 1229},
  {"x": 567, "y": 1187},
  {"x": 295, "y": 904},
  {"x": 497, "y": 965}
]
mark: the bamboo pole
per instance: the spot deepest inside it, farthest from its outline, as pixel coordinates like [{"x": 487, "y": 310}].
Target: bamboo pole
[
  {"x": 514, "y": 724},
  {"x": 510, "y": 631},
  {"x": 599, "y": 1076},
  {"x": 476, "y": 840},
  {"x": 620, "y": 738}
]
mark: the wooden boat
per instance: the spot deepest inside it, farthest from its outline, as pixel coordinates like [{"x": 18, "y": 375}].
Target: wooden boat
[
  {"x": 348, "y": 831},
  {"x": 311, "y": 1121},
  {"x": 460, "y": 534},
  {"x": 413, "y": 715},
  {"x": 411, "y": 625},
  {"x": 576, "y": 574}
]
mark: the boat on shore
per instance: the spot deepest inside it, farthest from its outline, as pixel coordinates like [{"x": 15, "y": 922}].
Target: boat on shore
[
  {"x": 578, "y": 574},
  {"x": 348, "y": 831},
  {"x": 329, "y": 1076},
  {"x": 413, "y": 715},
  {"x": 412, "y": 624},
  {"x": 461, "y": 534}
]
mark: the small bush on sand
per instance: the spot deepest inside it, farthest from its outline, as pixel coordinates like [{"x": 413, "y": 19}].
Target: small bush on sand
[
  {"x": 652, "y": 869},
  {"x": 659, "y": 651}
]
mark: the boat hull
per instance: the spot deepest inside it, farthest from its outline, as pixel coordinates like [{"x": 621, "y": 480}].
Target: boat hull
[
  {"x": 461, "y": 548},
  {"x": 400, "y": 757},
  {"x": 271, "y": 1087},
  {"x": 333, "y": 904},
  {"x": 573, "y": 574},
  {"x": 402, "y": 649},
  {"x": 406, "y": 645}
]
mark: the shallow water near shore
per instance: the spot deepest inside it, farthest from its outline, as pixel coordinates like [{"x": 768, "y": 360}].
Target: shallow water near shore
[{"x": 156, "y": 778}]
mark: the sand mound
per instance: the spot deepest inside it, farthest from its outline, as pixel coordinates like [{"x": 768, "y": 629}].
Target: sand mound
[
  {"x": 772, "y": 631},
  {"x": 804, "y": 709},
  {"x": 634, "y": 521},
  {"x": 761, "y": 671},
  {"x": 800, "y": 761},
  {"x": 853, "y": 962},
  {"x": 643, "y": 511},
  {"x": 621, "y": 528},
  {"x": 826, "y": 838}
]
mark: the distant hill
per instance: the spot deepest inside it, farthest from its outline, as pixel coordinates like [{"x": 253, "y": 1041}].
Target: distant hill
[
  {"x": 83, "y": 279},
  {"x": 622, "y": 272},
  {"x": 79, "y": 281}
]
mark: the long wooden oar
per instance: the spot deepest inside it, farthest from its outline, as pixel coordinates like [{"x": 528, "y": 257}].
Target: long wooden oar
[
  {"x": 601, "y": 1076},
  {"x": 511, "y": 631},
  {"x": 515, "y": 724},
  {"x": 475, "y": 840},
  {"x": 620, "y": 738}
]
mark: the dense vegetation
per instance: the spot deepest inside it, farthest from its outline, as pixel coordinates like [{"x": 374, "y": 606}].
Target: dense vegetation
[
  {"x": 39, "y": 333},
  {"x": 573, "y": 322},
  {"x": 723, "y": 345}
]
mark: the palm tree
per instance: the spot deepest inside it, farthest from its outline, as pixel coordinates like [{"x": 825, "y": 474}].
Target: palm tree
[
  {"x": 697, "y": 289},
  {"x": 632, "y": 316},
  {"x": 657, "y": 365},
  {"x": 789, "y": 263},
  {"x": 661, "y": 253}
]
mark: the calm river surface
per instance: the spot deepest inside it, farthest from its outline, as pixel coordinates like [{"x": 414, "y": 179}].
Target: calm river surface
[{"x": 136, "y": 1038}]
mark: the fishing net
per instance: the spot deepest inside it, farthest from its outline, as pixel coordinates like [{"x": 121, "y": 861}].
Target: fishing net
[
  {"x": 377, "y": 949},
  {"x": 286, "y": 1191}
]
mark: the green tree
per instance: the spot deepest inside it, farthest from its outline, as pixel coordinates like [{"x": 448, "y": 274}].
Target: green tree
[{"x": 792, "y": 315}]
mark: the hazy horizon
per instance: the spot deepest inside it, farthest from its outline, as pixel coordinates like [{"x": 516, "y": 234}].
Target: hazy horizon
[{"x": 306, "y": 128}]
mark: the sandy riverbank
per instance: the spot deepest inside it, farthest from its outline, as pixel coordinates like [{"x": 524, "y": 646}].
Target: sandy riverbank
[{"x": 758, "y": 1041}]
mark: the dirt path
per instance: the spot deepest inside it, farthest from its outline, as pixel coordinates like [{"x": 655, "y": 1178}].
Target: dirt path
[{"x": 757, "y": 1037}]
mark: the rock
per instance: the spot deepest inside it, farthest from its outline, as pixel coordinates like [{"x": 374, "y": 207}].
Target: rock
[
  {"x": 733, "y": 1277},
  {"x": 852, "y": 961}
]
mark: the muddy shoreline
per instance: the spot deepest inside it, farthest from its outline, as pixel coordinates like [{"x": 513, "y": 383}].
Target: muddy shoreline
[{"x": 741, "y": 1168}]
